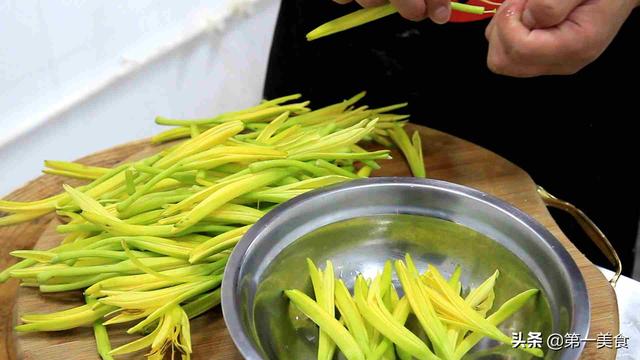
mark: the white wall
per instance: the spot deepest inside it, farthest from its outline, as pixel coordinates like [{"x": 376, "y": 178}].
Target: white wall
[{"x": 79, "y": 76}]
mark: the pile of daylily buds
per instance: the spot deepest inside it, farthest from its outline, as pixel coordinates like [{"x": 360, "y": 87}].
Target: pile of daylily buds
[
  {"x": 371, "y": 325},
  {"x": 147, "y": 241}
]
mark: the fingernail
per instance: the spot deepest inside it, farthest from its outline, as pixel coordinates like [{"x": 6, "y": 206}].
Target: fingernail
[
  {"x": 440, "y": 15},
  {"x": 528, "y": 20}
]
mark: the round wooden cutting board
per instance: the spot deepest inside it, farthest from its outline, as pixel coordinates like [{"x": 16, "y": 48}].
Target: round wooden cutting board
[{"x": 446, "y": 157}]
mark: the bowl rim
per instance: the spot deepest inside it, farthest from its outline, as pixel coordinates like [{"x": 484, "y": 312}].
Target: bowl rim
[{"x": 230, "y": 299}]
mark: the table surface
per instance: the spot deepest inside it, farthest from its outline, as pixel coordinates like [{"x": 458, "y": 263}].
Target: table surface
[{"x": 446, "y": 157}]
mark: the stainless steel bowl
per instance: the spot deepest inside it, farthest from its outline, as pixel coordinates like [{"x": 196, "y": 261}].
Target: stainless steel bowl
[{"x": 360, "y": 224}]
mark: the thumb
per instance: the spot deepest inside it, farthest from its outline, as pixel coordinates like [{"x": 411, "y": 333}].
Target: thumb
[{"x": 539, "y": 14}]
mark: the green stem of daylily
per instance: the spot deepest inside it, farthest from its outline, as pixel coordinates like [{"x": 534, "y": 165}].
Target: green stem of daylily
[
  {"x": 129, "y": 177},
  {"x": 271, "y": 103},
  {"x": 269, "y": 164},
  {"x": 212, "y": 137},
  {"x": 217, "y": 244},
  {"x": 270, "y": 196},
  {"x": 228, "y": 193},
  {"x": 205, "y": 228},
  {"x": 479, "y": 294},
  {"x": 423, "y": 308},
  {"x": 328, "y": 323},
  {"x": 348, "y": 308},
  {"x": 390, "y": 328},
  {"x": 138, "y": 193},
  {"x": 139, "y": 264},
  {"x": 103, "y": 345},
  {"x": 171, "y": 134},
  {"x": 335, "y": 169},
  {"x": 411, "y": 151},
  {"x": 71, "y": 174},
  {"x": 196, "y": 290},
  {"x": 504, "y": 312},
  {"x": 121, "y": 267},
  {"x": 73, "y": 169},
  {"x": 471, "y": 318},
  {"x": 76, "y": 285},
  {"x": 119, "y": 227},
  {"x": 22, "y": 217},
  {"x": 39, "y": 256},
  {"x": 270, "y": 129},
  {"x": 145, "y": 282},
  {"x": 58, "y": 323},
  {"x": 203, "y": 303},
  {"x": 360, "y": 156},
  {"x": 67, "y": 255},
  {"x": 71, "y": 228},
  {"x": 186, "y": 177},
  {"x": 351, "y": 20},
  {"x": 146, "y": 218},
  {"x": 364, "y": 16},
  {"x": 155, "y": 201}
]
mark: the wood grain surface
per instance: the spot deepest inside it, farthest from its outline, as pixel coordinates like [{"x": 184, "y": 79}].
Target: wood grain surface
[{"x": 446, "y": 157}]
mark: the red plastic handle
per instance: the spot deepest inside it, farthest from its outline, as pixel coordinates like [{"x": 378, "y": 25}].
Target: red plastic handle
[{"x": 459, "y": 17}]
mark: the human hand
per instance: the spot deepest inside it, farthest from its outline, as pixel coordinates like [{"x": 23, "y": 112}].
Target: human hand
[
  {"x": 552, "y": 37},
  {"x": 439, "y": 11}
]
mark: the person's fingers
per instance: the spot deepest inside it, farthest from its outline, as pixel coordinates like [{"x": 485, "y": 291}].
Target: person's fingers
[
  {"x": 371, "y": 3},
  {"x": 414, "y": 10},
  {"x": 511, "y": 33},
  {"x": 504, "y": 12},
  {"x": 439, "y": 11},
  {"x": 490, "y": 28},
  {"x": 509, "y": 44},
  {"x": 563, "y": 49},
  {"x": 508, "y": 20},
  {"x": 516, "y": 51},
  {"x": 539, "y": 14},
  {"x": 500, "y": 62}
]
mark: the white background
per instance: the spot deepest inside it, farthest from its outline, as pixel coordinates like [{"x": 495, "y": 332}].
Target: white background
[{"x": 80, "y": 76}]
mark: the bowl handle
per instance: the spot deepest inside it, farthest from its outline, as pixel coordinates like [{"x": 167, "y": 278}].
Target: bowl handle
[{"x": 590, "y": 228}]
